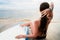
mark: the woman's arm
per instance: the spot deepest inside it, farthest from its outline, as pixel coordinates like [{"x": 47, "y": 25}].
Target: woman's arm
[
  {"x": 26, "y": 24},
  {"x": 51, "y": 5},
  {"x": 26, "y": 36},
  {"x": 34, "y": 29}
]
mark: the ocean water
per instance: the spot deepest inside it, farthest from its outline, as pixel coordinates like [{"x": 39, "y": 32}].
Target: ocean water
[{"x": 14, "y": 14}]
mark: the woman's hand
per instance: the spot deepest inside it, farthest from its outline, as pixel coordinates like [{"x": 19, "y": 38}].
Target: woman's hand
[
  {"x": 20, "y": 36},
  {"x": 45, "y": 12}
]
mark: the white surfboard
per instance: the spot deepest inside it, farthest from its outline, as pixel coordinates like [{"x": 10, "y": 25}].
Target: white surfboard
[{"x": 12, "y": 32}]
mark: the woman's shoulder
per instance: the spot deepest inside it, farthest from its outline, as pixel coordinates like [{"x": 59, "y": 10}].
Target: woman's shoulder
[{"x": 35, "y": 21}]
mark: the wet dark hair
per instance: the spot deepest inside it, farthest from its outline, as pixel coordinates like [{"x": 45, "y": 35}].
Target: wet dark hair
[
  {"x": 43, "y": 21},
  {"x": 44, "y": 6}
]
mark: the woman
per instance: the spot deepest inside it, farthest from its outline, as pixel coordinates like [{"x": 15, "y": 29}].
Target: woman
[{"x": 39, "y": 27}]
